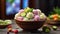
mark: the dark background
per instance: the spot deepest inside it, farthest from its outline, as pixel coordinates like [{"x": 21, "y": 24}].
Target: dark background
[{"x": 46, "y": 6}]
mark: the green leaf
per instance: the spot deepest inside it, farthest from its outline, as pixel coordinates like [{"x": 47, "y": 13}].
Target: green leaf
[{"x": 57, "y": 10}]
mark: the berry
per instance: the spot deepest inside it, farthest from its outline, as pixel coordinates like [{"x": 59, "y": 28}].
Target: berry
[
  {"x": 9, "y": 26},
  {"x": 9, "y": 29},
  {"x": 15, "y": 31}
]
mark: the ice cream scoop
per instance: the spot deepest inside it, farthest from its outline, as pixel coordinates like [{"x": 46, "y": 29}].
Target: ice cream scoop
[
  {"x": 20, "y": 11},
  {"x": 39, "y": 11},
  {"x": 37, "y": 18},
  {"x": 25, "y": 19},
  {"x": 42, "y": 16},
  {"x": 23, "y": 14},
  {"x": 20, "y": 18},
  {"x": 17, "y": 15},
  {"x": 30, "y": 15},
  {"x": 35, "y": 12}
]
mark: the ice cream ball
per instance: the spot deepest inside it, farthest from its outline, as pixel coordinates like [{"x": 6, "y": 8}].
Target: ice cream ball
[
  {"x": 26, "y": 10},
  {"x": 43, "y": 16},
  {"x": 17, "y": 15},
  {"x": 31, "y": 19},
  {"x": 37, "y": 18},
  {"x": 19, "y": 18},
  {"x": 23, "y": 14},
  {"x": 35, "y": 11},
  {"x": 20, "y": 11},
  {"x": 39, "y": 11},
  {"x": 30, "y": 15},
  {"x": 25, "y": 19}
]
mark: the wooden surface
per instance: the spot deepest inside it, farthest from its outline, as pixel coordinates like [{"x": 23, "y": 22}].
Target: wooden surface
[{"x": 4, "y": 31}]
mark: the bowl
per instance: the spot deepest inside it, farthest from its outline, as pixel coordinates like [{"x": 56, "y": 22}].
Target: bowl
[
  {"x": 54, "y": 22},
  {"x": 3, "y": 26},
  {"x": 30, "y": 25}
]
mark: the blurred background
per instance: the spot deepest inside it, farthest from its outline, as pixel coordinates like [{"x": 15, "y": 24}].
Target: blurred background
[{"x": 8, "y": 8}]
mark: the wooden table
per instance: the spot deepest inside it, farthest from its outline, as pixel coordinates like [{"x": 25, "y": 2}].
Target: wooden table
[{"x": 4, "y": 31}]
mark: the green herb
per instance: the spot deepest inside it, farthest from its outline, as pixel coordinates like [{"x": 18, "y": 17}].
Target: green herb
[
  {"x": 57, "y": 10},
  {"x": 46, "y": 29}
]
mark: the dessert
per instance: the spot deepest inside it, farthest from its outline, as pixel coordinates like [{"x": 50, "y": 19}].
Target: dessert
[
  {"x": 30, "y": 19},
  {"x": 5, "y": 22},
  {"x": 30, "y": 14}
]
